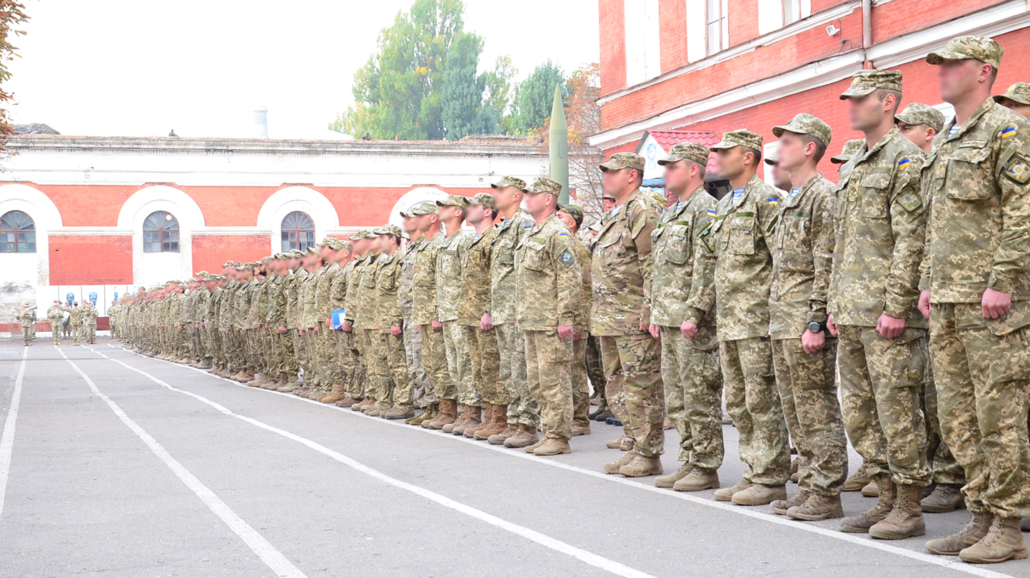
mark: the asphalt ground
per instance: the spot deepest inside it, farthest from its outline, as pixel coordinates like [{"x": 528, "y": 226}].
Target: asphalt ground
[{"x": 114, "y": 464}]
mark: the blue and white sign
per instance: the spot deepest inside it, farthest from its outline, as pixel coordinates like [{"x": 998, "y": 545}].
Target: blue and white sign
[
  {"x": 69, "y": 299},
  {"x": 93, "y": 298}
]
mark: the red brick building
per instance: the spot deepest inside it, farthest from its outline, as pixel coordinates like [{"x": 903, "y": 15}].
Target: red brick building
[{"x": 720, "y": 65}]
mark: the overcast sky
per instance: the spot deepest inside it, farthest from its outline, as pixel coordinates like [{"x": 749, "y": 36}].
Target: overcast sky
[{"x": 144, "y": 67}]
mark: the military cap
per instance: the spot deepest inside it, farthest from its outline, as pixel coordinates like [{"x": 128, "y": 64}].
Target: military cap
[
  {"x": 361, "y": 234},
  {"x": 453, "y": 201},
  {"x": 484, "y": 199},
  {"x": 312, "y": 250},
  {"x": 686, "y": 151},
  {"x": 739, "y": 138},
  {"x": 510, "y": 182},
  {"x": 544, "y": 185},
  {"x": 866, "y": 81},
  {"x": 248, "y": 266},
  {"x": 574, "y": 211},
  {"x": 388, "y": 229},
  {"x": 805, "y": 123},
  {"x": 1018, "y": 92},
  {"x": 296, "y": 254},
  {"x": 772, "y": 157},
  {"x": 969, "y": 47},
  {"x": 333, "y": 243},
  {"x": 848, "y": 152},
  {"x": 175, "y": 282},
  {"x": 345, "y": 246},
  {"x": 212, "y": 278},
  {"x": 227, "y": 264},
  {"x": 424, "y": 208},
  {"x": 282, "y": 256},
  {"x": 619, "y": 161},
  {"x": 607, "y": 196},
  {"x": 918, "y": 113},
  {"x": 266, "y": 260},
  {"x": 202, "y": 274}
]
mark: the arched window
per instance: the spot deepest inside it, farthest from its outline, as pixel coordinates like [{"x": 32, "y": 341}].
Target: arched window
[
  {"x": 298, "y": 231},
  {"x": 17, "y": 233},
  {"x": 161, "y": 233}
]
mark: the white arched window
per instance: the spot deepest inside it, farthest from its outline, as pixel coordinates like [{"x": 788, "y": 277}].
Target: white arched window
[
  {"x": 17, "y": 233},
  {"x": 298, "y": 231},
  {"x": 161, "y": 233}
]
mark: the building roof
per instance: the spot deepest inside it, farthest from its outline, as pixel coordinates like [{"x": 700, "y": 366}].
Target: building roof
[{"x": 667, "y": 138}]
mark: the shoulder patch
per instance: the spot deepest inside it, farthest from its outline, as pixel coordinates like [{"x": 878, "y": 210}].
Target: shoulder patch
[
  {"x": 712, "y": 212},
  {"x": 773, "y": 201},
  {"x": 563, "y": 234},
  {"x": 567, "y": 259},
  {"x": 1009, "y": 132},
  {"x": 904, "y": 163},
  {"x": 1018, "y": 169},
  {"x": 910, "y": 200}
]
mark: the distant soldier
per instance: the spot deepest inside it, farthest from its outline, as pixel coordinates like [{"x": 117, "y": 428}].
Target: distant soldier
[
  {"x": 56, "y": 316},
  {"x": 920, "y": 123},
  {"x": 1016, "y": 98},
  {"x": 396, "y": 402},
  {"x": 412, "y": 336},
  {"x": 76, "y": 323},
  {"x": 449, "y": 292},
  {"x": 28, "y": 325},
  {"x": 572, "y": 217}
]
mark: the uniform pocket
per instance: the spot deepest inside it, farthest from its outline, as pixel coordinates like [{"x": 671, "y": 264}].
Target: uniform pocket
[
  {"x": 874, "y": 202},
  {"x": 968, "y": 166},
  {"x": 741, "y": 236},
  {"x": 677, "y": 244}
]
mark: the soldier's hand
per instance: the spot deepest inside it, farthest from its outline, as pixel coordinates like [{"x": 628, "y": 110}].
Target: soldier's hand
[
  {"x": 996, "y": 304},
  {"x": 688, "y": 329},
  {"x": 396, "y": 331},
  {"x": 437, "y": 326},
  {"x": 924, "y": 304},
  {"x": 576, "y": 336},
  {"x": 564, "y": 331},
  {"x": 346, "y": 327},
  {"x": 329, "y": 322},
  {"x": 644, "y": 327},
  {"x": 282, "y": 329},
  {"x": 889, "y": 327},
  {"x": 812, "y": 342},
  {"x": 486, "y": 323},
  {"x": 315, "y": 329},
  {"x": 654, "y": 331},
  {"x": 831, "y": 325}
]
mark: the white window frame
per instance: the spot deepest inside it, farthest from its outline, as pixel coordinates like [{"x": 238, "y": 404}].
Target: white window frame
[{"x": 643, "y": 42}]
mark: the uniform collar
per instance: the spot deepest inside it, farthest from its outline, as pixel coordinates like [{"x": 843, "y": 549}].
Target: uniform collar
[{"x": 983, "y": 109}]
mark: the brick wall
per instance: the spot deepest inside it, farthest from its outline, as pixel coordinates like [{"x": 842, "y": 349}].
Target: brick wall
[
  {"x": 672, "y": 27},
  {"x": 612, "y": 18},
  {"x": 210, "y": 251},
  {"x": 743, "y": 21},
  {"x": 90, "y": 260},
  {"x": 900, "y": 17}
]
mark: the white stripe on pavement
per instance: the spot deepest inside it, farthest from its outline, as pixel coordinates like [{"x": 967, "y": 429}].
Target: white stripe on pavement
[
  {"x": 268, "y": 554},
  {"x": 859, "y": 540},
  {"x": 544, "y": 540},
  {"x": 7, "y": 441}
]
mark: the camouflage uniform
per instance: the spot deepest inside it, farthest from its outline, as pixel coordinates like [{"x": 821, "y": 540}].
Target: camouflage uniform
[
  {"x": 326, "y": 337},
  {"x": 364, "y": 309},
  {"x": 482, "y": 345},
  {"x": 56, "y": 316},
  {"x": 879, "y": 234},
  {"x": 76, "y": 323},
  {"x": 424, "y": 312},
  {"x": 743, "y": 274},
  {"x": 309, "y": 320},
  {"x": 976, "y": 182},
  {"x": 390, "y": 349},
  {"x": 683, "y": 289},
  {"x": 449, "y": 292},
  {"x": 580, "y": 385},
  {"x": 412, "y": 336},
  {"x": 345, "y": 356},
  {"x": 294, "y": 310}
]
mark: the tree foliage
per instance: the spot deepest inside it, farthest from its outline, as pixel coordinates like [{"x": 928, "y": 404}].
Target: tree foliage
[
  {"x": 12, "y": 14},
  {"x": 535, "y": 97},
  {"x": 462, "y": 109}
]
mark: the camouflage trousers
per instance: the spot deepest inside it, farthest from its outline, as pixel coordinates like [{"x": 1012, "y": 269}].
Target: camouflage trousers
[
  {"x": 549, "y": 376},
  {"x": 76, "y": 334},
  {"x": 595, "y": 369},
  {"x": 346, "y": 359},
  {"x": 808, "y": 391},
  {"x": 28, "y": 334},
  {"x": 55, "y": 330},
  {"x": 944, "y": 468},
  {"x": 633, "y": 369},
  {"x": 880, "y": 381},
  {"x": 982, "y": 378},
  {"x": 298, "y": 348},
  {"x": 511, "y": 343},
  {"x": 580, "y": 382},
  {"x": 327, "y": 362},
  {"x": 310, "y": 361},
  {"x": 434, "y": 359},
  {"x": 366, "y": 357},
  {"x": 413, "y": 355},
  {"x": 485, "y": 360},
  {"x": 754, "y": 404},
  {"x": 459, "y": 364},
  {"x": 210, "y": 343},
  {"x": 693, "y": 395},
  {"x": 395, "y": 383}
]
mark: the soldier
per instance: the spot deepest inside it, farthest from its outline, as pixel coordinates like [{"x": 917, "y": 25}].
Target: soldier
[
  {"x": 1016, "y": 98},
  {"x": 976, "y": 290},
  {"x": 341, "y": 366},
  {"x": 781, "y": 178},
  {"x": 847, "y": 153},
  {"x": 683, "y": 317},
  {"x": 28, "y": 325},
  {"x": 523, "y": 413},
  {"x": 56, "y": 316},
  {"x": 76, "y": 323},
  {"x": 804, "y": 360},
  {"x": 482, "y": 343},
  {"x": 879, "y": 234},
  {"x": 572, "y": 217},
  {"x": 743, "y": 274},
  {"x": 595, "y": 366},
  {"x": 920, "y": 123},
  {"x": 449, "y": 292},
  {"x": 89, "y": 320},
  {"x": 396, "y": 402},
  {"x": 412, "y": 336},
  {"x": 325, "y": 338},
  {"x": 292, "y": 344},
  {"x": 362, "y": 242},
  {"x": 425, "y": 313},
  {"x": 364, "y": 322},
  {"x": 549, "y": 286},
  {"x": 620, "y": 315}
]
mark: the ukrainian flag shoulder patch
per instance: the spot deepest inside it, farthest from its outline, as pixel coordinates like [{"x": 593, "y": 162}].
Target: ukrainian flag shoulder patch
[
  {"x": 712, "y": 212},
  {"x": 773, "y": 201},
  {"x": 904, "y": 163},
  {"x": 563, "y": 234},
  {"x": 1009, "y": 132}
]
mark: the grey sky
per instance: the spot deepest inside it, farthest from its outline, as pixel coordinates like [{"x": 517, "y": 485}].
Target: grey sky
[{"x": 143, "y": 67}]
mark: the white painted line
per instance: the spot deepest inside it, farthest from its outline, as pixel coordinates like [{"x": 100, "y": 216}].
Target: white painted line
[
  {"x": 7, "y": 440},
  {"x": 268, "y": 554},
  {"x": 590, "y": 558},
  {"x": 942, "y": 561}
]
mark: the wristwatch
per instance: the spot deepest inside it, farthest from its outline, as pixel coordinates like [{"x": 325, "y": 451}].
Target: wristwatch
[{"x": 815, "y": 326}]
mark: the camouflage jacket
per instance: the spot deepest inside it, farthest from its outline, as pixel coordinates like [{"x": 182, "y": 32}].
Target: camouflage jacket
[
  {"x": 214, "y": 300},
  {"x": 365, "y": 316},
  {"x": 225, "y": 309},
  {"x": 977, "y": 185},
  {"x": 258, "y": 304},
  {"x": 802, "y": 254},
  {"x": 475, "y": 268},
  {"x": 351, "y": 299},
  {"x": 387, "y": 280},
  {"x": 201, "y": 305},
  {"x": 405, "y": 297},
  {"x": 323, "y": 297},
  {"x": 583, "y": 260},
  {"x": 879, "y": 231},
  {"x": 277, "y": 297},
  {"x": 621, "y": 268},
  {"x": 190, "y": 298},
  {"x": 502, "y": 266},
  {"x": 294, "y": 306},
  {"x": 424, "y": 309},
  {"x": 682, "y": 285},
  {"x": 338, "y": 288},
  {"x": 549, "y": 279},
  {"x": 743, "y": 267},
  {"x": 450, "y": 284},
  {"x": 309, "y": 317}
]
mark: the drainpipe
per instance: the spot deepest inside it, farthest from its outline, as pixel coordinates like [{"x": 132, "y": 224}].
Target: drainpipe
[{"x": 867, "y": 29}]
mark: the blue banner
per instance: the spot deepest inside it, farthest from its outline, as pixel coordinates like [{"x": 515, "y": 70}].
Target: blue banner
[{"x": 339, "y": 316}]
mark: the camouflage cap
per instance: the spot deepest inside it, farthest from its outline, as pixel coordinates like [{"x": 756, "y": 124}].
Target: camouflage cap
[
  {"x": 848, "y": 152},
  {"x": 686, "y": 151},
  {"x": 619, "y": 161},
  {"x": 453, "y": 201},
  {"x": 361, "y": 234},
  {"x": 918, "y": 113},
  {"x": 1018, "y": 92},
  {"x": 211, "y": 278},
  {"x": 575, "y": 211},
  {"x": 969, "y": 47},
  {"x": 333, "y": 243},
  {"x": 805, "y": 123},
  {"x": 510, "y": 182},
  {"x": 296, "y": 254},
  {"x": 866, "y": 81},
  {"x": 739, "y": 138},
  {"x": 544, "y": 185},
  {"x": 388, "y": 229},
  {"x": 607, "y": 196},
  {"x": 282, "y": 256},
  {"x": 312, "y": 250},
  {"x": 483, "y": 199},
  {"x": 202, "y": 274},
  {"x": 227, "y": 264},
  {"x": 424, "y": 208},
  {"x": 265, "y": 260}
]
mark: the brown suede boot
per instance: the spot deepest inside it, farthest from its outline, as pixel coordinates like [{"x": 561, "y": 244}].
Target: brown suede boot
[
  {"x": 347, "y": 401},
  {"x": 474, "y": 420},
  {"x": 491, "y": 423},
  {"x": 509, "y": 430},
  {"x": 642, "y": 466},
  {"x": 671, "y": 479},
  {"x": 858, "y": 480},
  {"x": 817, "y": 508},
  {"x": 861, "y": 523},
  {"x": 944, "y": 498},
  {"x": 759, "y": 495},
  {"x": 427, "y": 414},
  {"x": 781, "y": 506},
  {"x": 553, "y": 447},
  {"x": 978, "y": 526},
  {"x": 448, "y": 413},
  {"x": 614, "y": 467},
  {"x": 463, "y": 418},
  {"x": 905, "y": 519},
  {"x": 525, "y": 437},
  {"x": 335, "y": 394},
  {"x": 1004, "y": 541}
]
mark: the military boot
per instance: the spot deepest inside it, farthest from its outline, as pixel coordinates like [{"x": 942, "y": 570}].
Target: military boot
[
  {"x": 817, "y": 508},
  {"x": 625, "y": 443},
  {"x": 642, "y": 466},
  {"x": 317, "y": 394},
  {"x": 945, "y": 498},
  {"x": 1004, "y": 541},
  {"x": 781, "y": 506},
  {"x": 602, "y": 415},
  {"x": 580, "y": 429},
  {"x": 257, "y": 381},
  {"x": 448, "y": 413},
  {"x": 399, "y": 413},
  {"x": 794, "y": 475},
  {"x": 347, "y": 401},
  {"x": 272, "y": 384},
  {"x": 726, "y": 494},
  {"x": 532, "y": 447},
  {"x": 871, "y": 490},
  {"x": 373, "y": 410},
  {"x": 428, "y": 413},
  {"x": 858, "y": 480},
  {"x": 335, "y": 394},
  {"x": 553, "y": 447},
  {"x": 525, "y": 437},
  {"x": 463, "y": 418},
  {"x": 509, "y": 430},
  {"x": 614, "y": 467},
  {"x": 206, "y": 363},
  {"x": 291, "y": 386},
  {"x": 861, "y": 523},
  {"x": 978, "y": 526},
  {"x": 671, "y": 479},
  {"x": 496, "y": 422},
  {"x": 474, "y": 421},
  {"x": 759, "y": 495},
  {"x": 697, "y": 480}
]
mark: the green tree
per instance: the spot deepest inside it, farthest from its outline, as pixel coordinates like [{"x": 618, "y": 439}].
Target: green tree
[
  {"x": 498, "y": 94},
  {"x": 534, "y": 98},
  {"x": 463, "y": 88}
]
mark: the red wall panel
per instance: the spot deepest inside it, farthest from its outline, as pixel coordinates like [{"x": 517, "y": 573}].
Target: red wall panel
[
  {"x": 672, "y": 28},
  {"x": 210, "y": 251},
  {"x": 612, "y": 15},
  {"x": 90, "y": 260}
]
